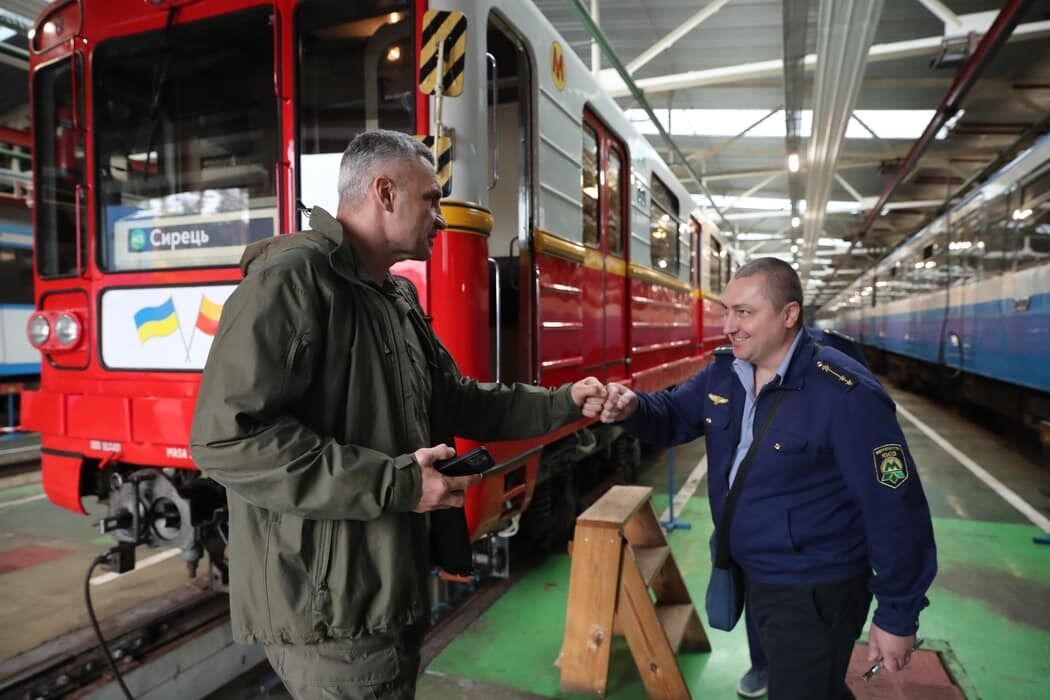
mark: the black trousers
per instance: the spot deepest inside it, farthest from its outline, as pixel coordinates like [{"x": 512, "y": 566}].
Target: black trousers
[{"x": 807, "y": 633}]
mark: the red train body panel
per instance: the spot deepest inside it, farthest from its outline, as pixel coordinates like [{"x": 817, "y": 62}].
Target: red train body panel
[{"x": 530, "y": 292}]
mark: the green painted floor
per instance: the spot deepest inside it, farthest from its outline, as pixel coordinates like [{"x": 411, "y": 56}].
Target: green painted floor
[
  {"x": 989, "y": 607},
  {"x": 989, "y": 614}
]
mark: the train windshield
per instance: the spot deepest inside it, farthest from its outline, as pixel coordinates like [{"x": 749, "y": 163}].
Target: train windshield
[
  {"x": 355, "y": 71},
  {"x": 59, "y": 163},
  {"x": 186, "y": 139}
]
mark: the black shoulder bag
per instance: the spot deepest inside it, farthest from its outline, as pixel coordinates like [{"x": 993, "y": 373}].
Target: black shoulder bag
[{"x": 725, "y": 591}]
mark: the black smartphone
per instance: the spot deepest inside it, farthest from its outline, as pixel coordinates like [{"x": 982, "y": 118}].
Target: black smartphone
[{"x": 476, "y": 461}]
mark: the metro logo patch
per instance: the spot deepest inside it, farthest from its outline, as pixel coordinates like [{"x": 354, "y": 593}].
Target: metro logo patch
[{"x": 891, "y": 469}]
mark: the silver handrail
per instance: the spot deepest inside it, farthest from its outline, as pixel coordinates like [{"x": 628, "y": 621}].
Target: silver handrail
[
  {"x": 499, "y": 318},
  {"x": 493, "y": 126}
]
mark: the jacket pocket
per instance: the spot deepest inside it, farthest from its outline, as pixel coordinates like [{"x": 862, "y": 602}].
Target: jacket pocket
[
  {"x": 787, "y": 443},
  {"x": 717, "y": 418}
]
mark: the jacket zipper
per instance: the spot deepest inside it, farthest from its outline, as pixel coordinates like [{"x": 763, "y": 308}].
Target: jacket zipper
[
  {"x": 325, "y": 552},
  {"x": 395, "y": 351}
]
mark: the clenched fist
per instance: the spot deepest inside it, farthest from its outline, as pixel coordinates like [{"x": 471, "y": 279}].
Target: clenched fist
[
  {"x": 620, "y": 403},
  {"x": 589, "y": 395}
]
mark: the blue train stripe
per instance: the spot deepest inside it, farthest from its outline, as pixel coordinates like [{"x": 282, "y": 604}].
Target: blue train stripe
[
  {"x": 19, "y": 368},
  {"x": 997, "y": 341}
]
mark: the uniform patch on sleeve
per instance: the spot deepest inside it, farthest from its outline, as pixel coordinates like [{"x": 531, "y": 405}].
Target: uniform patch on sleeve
[
  {"x": 843, "y": 379},
  {"x": 891, "y": 469},
  {"x": 717, "y": 400}
]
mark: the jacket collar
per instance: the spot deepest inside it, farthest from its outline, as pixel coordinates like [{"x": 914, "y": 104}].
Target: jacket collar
[
  {"x": 800, "y": 363},
  {"x": 342, "y": 259}
]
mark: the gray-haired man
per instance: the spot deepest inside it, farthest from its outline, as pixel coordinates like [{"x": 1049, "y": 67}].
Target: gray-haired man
[{"x": 325, "y": 401}]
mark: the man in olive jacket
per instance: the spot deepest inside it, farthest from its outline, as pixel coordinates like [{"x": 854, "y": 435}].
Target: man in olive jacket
[{"x": 320, "y": 409}]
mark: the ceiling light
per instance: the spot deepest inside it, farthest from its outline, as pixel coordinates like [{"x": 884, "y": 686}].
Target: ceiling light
[
  {"x": 793, "y": 162},
  {"x": 795, "y": 222},
  {"x": 794, "y": 249},
  {"x": 1022, "y": 214},
  {"x": 394, "y": 54}
]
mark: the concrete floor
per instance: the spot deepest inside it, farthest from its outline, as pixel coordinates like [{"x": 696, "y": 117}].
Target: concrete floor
[{"x": 44, "y": 555}]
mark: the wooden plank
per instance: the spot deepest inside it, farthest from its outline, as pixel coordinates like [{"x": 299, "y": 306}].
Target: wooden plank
[
  {"x": 674, "y": 619},
  {"x": 669, "y": 589},
  {"x": 596, "y": 557},
  {"x": 650, "y": 560},
  {"x": 644, "y": 529},
  {"x": 695, "y": 638},
  {"x": 616, "y": 507},
  {"x": 646, "y": 638},
  {"x": 669, "y": 586}
]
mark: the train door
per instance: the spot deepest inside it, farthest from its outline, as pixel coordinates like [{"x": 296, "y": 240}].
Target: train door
[
  {"x": 508, "y": 95},
  {"x": 604, "y": 239},
  {"x": 959, "y": 340}
]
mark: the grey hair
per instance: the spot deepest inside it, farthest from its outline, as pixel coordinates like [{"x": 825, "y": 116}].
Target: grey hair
[
  {"x": 369, "y": 150},
  {"x": 782, "y": 284}
]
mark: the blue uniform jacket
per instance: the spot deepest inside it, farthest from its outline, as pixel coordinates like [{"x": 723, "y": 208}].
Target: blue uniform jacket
[{"x": 832, "y": 491}]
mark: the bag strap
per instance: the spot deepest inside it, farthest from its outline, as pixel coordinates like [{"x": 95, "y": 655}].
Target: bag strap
[{"x": 722, "y": 533}]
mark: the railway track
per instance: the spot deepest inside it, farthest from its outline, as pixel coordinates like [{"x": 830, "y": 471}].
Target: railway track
[
  {"x": 174, "y": 625},
  {"x": 74, "y": 664}
]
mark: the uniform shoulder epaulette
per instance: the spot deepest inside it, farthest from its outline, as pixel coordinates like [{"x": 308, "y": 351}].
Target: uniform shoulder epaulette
[
  {"x": 724, "y": 350},
  {"x": 842, "y": 378}
]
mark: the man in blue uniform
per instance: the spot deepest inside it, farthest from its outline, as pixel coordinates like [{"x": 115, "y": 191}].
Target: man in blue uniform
[{"x": 832, "y": 510}]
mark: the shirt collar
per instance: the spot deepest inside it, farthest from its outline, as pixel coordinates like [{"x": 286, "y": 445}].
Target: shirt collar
[{"x": 745, "y": 370}]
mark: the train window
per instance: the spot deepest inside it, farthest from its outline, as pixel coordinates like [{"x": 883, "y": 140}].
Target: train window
[
  {"x": 614, "y": 222},
  {"x": 1033, "y": 222},
  {"x": 356, "y": 71},
  {"x": 695, "y": 261},
  {"x": 715, "y": 266},
  {"x": 16, "y": 275},
  {"x": 994, "y": 247},
  {"x": 964, "y": 254},
  {"x": 58, "y": 159},
  {"x": 590, "y": 186},
  {"x": 663, "y": 227},
  {"x": 186, "y": 129}
]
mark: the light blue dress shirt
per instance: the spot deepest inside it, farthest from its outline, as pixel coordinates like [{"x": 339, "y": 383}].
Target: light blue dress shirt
[{"x": 745, "y": 372}]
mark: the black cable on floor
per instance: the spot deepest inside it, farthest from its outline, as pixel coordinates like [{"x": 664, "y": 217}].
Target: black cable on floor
[{"x": 102, "y": 559}]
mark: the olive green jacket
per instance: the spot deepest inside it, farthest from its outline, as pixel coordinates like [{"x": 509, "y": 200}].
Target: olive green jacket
[{"x": 309, "y": 414}]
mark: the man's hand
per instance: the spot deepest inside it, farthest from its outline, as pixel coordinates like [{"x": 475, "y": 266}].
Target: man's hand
[
  {"x": 440, "y": 491},
  {"x": 589, "y": 395},
  {"x": 620, "y": 403},
  {"x": 894, "y": 651}
]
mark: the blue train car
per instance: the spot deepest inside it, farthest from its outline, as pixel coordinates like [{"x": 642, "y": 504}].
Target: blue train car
[
  {"x": 964, "y": 304},
  {"x": 19, "y": 361}
]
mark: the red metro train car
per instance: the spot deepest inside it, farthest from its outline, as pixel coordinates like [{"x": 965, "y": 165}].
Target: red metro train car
[{"x": 168, "y": 134}]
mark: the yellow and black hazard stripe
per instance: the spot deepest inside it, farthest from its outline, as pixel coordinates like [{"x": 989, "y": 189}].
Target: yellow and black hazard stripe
[
  {"x": 443, "y": 157},
  {"x": 449, "y": 29}
]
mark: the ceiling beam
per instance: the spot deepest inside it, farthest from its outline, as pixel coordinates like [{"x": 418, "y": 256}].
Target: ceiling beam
[
  {"x": 941, "y": 11},
  {"x": 892, "y": 51},
  {"x": 997, "y": 35},
  {"x": 666, "y": 42}
]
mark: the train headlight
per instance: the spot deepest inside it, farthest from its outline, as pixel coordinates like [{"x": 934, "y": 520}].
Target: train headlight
[
  {"x": 67, "y": 330},
  {"x": 38, "y": 330}
]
